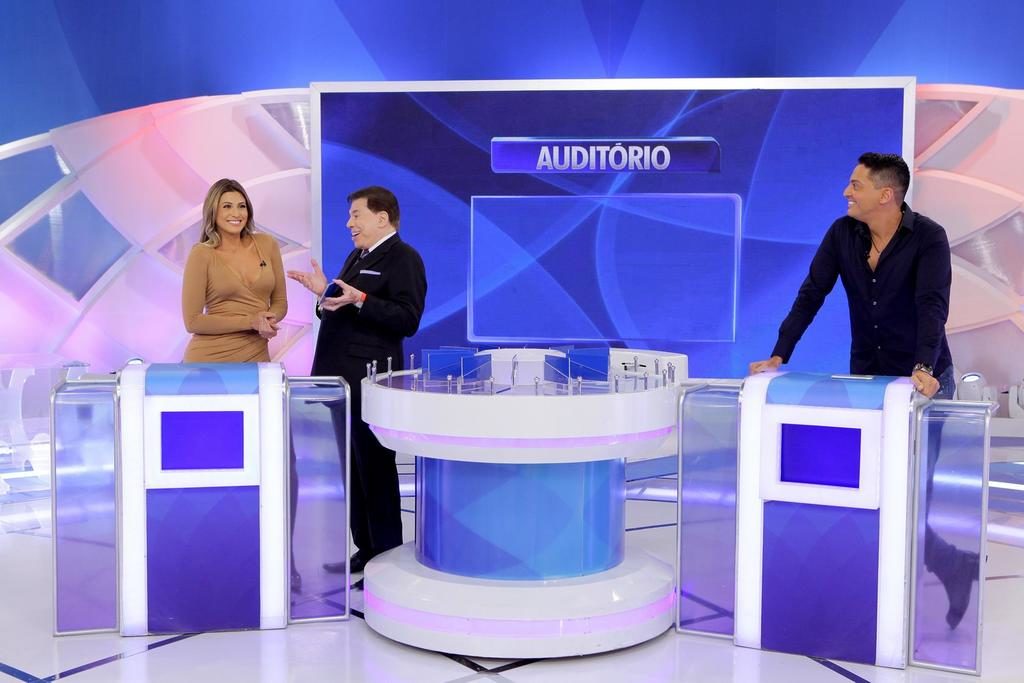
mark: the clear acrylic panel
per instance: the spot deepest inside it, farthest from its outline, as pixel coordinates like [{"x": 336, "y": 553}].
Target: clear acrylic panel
[
  {"x": 439, "y": 363},
  {"x": 556, "y": 368},
  {"x": 476, "y": 368},
  {"x": 589, "y": 363},
  {"x": 709, "y": 442},
  {"x": 319, "y": 414},
  {"x": 950, "y": 535},
  {"x": 84, "y": 493}
]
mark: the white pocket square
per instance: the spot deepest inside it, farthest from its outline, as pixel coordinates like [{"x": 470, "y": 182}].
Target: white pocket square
[{"x": 369, "y": 272}]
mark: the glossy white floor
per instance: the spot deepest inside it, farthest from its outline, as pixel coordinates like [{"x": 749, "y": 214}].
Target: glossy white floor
[{"x": 350, "y": 651}]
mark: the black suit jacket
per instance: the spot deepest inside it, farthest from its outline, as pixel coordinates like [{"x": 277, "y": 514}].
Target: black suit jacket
[{"x": 395, "y": 282}]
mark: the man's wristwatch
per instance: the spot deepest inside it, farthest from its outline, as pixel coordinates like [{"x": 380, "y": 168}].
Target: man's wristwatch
[{"x": 921, "y": 367}]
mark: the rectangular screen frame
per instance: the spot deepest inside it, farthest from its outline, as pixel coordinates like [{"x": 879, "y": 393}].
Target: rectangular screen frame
[
  {"x": 869, "y": 422},
  {"x": 318, "y": 88}
]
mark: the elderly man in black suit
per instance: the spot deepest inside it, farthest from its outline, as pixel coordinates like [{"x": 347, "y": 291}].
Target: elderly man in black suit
[{"x": 374, "y": 303}]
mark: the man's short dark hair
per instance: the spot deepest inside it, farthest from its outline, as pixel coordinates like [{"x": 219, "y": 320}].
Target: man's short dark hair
[
  {"x": 887, "y": 170},
  {"x": 378, "y": 199}
]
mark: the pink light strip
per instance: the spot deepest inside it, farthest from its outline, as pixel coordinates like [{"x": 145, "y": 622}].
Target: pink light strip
[
  {"x": 518, "y": 628},
  {"x": 514, "y": 442}
]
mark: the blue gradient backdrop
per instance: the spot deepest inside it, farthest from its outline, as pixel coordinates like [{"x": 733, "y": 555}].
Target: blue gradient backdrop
[
  {"x": 64, "y": 60},
  {"x": 786, "y": 154}
]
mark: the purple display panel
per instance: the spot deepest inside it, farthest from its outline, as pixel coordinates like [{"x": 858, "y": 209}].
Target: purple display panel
[
  {"x": 201, "y": 440},
  {"x": 203, "y": 558},
  {"x": 707, "y": 510},
  {"x": 819, "y": 585},
  {"x": 952, "y": 516},
  {"x": 318, "y": 421},
  {"x": 84, "y": 520},
  {"x": 818, "y": 454}
]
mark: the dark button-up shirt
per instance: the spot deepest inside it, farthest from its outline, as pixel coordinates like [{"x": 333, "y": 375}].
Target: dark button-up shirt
[{"x": 897, "y": 312}]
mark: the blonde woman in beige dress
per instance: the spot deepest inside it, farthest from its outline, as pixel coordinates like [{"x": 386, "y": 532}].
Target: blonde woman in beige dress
[{"x": 233, "y": 292}]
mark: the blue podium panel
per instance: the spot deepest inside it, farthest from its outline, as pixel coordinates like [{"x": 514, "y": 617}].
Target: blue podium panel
[
  {"x": 828, "y": 391},
  {"x": 823, "y": 534},
  {"x": 202, "y": 543},
  {"x": 820, "y": 581},
  {"x": 525, "y": 522},
  {"x": 195, "y": 536},
  {"x": 203, "y": 517},
  {"x": 203, "y": 558},
  {"x": 201, "y": 379}
]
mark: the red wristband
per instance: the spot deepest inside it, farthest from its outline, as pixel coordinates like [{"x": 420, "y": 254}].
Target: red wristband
[{"x": 362, "y": 297}]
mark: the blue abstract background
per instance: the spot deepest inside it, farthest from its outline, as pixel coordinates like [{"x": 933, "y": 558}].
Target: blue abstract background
[
  {"x": 544, "y": 273},
  {"x": 64, "y": 62}
]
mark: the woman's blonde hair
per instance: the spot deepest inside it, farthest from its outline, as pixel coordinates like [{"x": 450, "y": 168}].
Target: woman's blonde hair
[{"x": 209, "y": 235}]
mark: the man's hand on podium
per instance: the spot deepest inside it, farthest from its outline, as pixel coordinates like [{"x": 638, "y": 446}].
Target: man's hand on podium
[
  {"x": 924, "y": 383},
  {"x": 772, "y": 363}
]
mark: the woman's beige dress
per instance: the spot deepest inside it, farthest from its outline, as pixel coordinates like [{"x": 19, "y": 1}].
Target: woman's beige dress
[{"x": 218, "y": 304}]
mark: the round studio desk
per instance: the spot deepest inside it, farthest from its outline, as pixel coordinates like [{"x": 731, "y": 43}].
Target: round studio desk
[{"x": 520, "y": 504}]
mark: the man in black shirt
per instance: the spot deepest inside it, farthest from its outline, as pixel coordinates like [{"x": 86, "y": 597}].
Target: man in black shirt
[{"x": 895, "y": 267}]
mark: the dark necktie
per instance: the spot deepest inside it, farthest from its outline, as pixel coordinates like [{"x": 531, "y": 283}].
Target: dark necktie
[{"x": 363, "y": 253}]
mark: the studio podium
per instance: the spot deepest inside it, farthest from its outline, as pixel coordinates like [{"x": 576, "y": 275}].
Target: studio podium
[
  {"x": 176, "y": 505},
  {"x": 520, "y": 500},
  {"x": 859, "y": 509}
]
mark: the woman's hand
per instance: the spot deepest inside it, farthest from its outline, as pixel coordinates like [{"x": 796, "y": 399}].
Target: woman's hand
[{"x": 265, "y": 324}]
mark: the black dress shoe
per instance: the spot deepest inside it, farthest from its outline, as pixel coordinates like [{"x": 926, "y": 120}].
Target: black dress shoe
[
  {"x": 356, "y": 563},
  {"x": 958, "y": 584}
]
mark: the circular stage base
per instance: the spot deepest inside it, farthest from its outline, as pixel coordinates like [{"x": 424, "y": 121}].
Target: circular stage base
[{"x": 413, "y": 604}]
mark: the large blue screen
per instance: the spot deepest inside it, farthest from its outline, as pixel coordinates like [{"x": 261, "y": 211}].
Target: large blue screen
[{"x": 702, "y": 256}]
